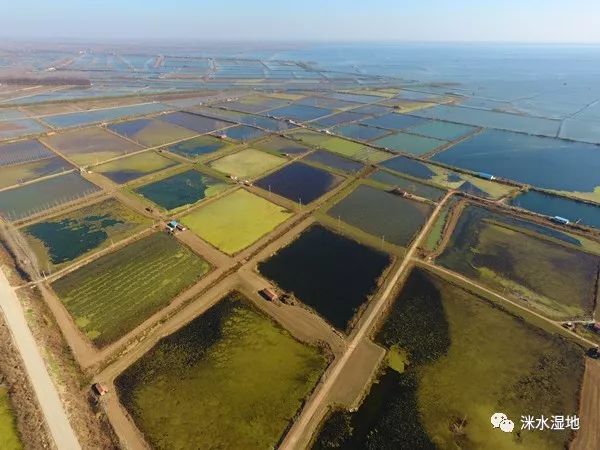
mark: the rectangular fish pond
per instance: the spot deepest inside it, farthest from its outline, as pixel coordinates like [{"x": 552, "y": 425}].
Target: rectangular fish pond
[
  {"x": 444, "y": 377},
  {"x": 247, "y": 163},
  {"x": 387, "y": 216},
  {"x": 21, "y": 202},
  {"x": 448, "y": 178},
  {"x": 185, "y": 188},
  {"x": 546, "y": 267},
  {"x": 282, "y": 146},
  {"x": 152, "y": 132},
  {"x": 408, "y": 185},
  {"x": 551, "y": 205},
  {"x": 30, "y": 171},
  {"x": 89, "y": 146},
  {"x": 113, "y": 294},
  {"x": 133, "y": 167},
  {"x": 235, "y": 221},
  {"x": 300, "y": 182},
  {"x": 333, "y": 161},
  {"x": 67, "y": 237},
  {"x": 196, "y": 147},
  {"x": 23, "y": 152},
  {"x": 332, "y": 274},
  {"x": 231, "y": 378},
  {"x": 554, "y": 164},
  {"x": 409, "y": 143},
  {"x": 360, "y": 132}
]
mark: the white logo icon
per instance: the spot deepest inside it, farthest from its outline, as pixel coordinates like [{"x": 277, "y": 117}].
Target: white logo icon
[
  {"x": 500, "y": 420},
  {"x": 507, "y": 425},
  {"x": 497, "y": 419}
]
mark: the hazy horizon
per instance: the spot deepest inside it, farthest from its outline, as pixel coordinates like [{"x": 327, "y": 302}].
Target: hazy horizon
[{"x": 426, "y": 21}]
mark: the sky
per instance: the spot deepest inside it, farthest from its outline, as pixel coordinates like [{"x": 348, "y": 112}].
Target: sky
[{"x": 565, "y": 21}]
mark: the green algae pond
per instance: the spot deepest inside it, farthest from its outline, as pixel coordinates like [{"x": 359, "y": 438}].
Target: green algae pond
[
  {"x": 328, "y": 272},
  {"x": 67, "y": 237},
  {"x": 548, "y": 269},
  {"x": 455, "y": 359},
  {"x": 185, "y": 188},
  {"x": 388, "y": 216},
  {"x": 230, "y": 379},
  {"x": 196, "y": 147}
]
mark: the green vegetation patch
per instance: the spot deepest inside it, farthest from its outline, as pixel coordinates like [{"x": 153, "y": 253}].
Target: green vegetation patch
[
  {"x": 236, "y": 221},
  {"x": 334, "y": 144},
  {"x": 65, "y": 238},
  {"x": 466, "y": 360},
  {"x": 248, "y": 163},
  {"x": 9, "y": 435},
  {"x": 553, "y": 276},
  {"x": 230, "y": 379},
  {"x": 112, "y": 295},
  {"x": 134, "y": 167}
]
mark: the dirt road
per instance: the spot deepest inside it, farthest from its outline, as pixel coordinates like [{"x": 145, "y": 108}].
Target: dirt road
[
  {"x": 300, "y": 430},
  {"x": 46, "y": 393},
  {"x": 588, "y": 436}
]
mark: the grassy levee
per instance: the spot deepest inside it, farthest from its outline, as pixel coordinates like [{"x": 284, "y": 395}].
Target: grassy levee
[{"x": 112, "y": 295}]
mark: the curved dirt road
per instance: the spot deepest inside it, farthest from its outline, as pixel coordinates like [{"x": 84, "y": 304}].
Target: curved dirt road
[{"x": 45, "y": 391}]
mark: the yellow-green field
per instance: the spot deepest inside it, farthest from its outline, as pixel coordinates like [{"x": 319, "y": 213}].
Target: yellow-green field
[
  {"x": 248, "y": 163},
  {"x": 236, "y": 221}
]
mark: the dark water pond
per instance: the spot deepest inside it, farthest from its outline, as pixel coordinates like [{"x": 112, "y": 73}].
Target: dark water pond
[
  {"x": 329, "y": 272},
  {"x": 195, "y": 122},
  {"x": 130, "y": 128},
  {"x": 334, "y": 161},
  {"x": 543, "y": 162},
  {"x": 360, "y": 132},
  {"x": 410, "y": 167},
  {"x": 243, "y": 133},
  {"x": 382, "y": 214},
  {"x": 408, "y": 185},
  {"x": 300, "y": 112},
  {"x": 300, "y": 182},
  {"x": 393, "y": 121},
  {"x": 552, "y": 205}
]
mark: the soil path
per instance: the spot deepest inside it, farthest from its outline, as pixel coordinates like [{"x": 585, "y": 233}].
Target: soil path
[
  {"x": 45, "y": 391},
  {"x": 304, "y": 426},
  {"x": 588, "y": 436}
]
